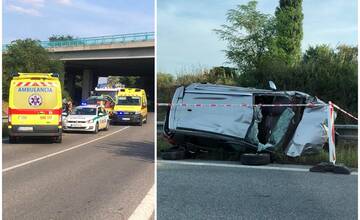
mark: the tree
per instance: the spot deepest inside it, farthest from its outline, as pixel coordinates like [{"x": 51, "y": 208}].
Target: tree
[
  {"x": 60, "y": 37},
  {"x": 331, "y": 74},
  {"x": 249, "y": 36},
  {"x": 27, "y": 56},
  {"x": 289, "y": 32}
]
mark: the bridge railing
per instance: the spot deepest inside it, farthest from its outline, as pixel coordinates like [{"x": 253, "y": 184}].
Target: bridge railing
[{"x": 113, "y": 39}]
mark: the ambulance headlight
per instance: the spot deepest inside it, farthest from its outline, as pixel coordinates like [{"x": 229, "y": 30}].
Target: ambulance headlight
[
  {"x": 90, "y": 121},
  {"x": 137, "y": 113}
]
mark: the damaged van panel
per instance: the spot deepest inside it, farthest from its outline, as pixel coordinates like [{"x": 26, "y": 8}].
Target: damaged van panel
[
  {"x": 310, "y": 134},
  {"x": 215, "y": 116}
]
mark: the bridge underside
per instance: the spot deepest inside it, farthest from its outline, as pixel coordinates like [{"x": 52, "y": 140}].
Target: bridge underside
[{"x": 84, "y": 74}]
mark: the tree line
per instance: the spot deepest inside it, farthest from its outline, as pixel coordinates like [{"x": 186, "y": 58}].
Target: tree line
[{"x": 263, "y": 47}]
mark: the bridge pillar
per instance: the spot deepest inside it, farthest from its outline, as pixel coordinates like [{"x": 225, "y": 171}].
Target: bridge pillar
[
  {"x": 87, "y": 81},
  {"x": 69, "y": 82}
]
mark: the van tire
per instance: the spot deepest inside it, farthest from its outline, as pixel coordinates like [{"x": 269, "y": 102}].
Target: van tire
[
  {"x": 140, "y": 123},
  {"x": 173, "y": 153},
  {"x": 96, "y": 128},
  {"x": 255, "y": 159},
  {"x": 58, "y": 139},
  {"x": 145, "y": 120}
]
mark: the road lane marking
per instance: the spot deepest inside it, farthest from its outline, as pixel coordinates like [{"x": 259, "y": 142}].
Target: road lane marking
[
  {"x": 237, "y": 166},
  {"x": 60, "y": 152},
  {"x": 146, "y": 208}
]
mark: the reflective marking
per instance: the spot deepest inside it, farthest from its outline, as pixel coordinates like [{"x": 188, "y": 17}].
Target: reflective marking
[
  {"x": 59, "y": 152},
  {"x": 146, "y": 208},
  {"x": 237, "y": 166}
]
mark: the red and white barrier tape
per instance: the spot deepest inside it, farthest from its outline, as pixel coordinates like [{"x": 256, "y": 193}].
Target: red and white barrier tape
[
  {"x": 310, "y": 105},
  {"x": 345, "y": 112},
  {"x": 241, "y": 105}
]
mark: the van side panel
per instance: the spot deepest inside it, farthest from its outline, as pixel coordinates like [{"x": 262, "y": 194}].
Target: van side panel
[{"x": 221, "y": 119}]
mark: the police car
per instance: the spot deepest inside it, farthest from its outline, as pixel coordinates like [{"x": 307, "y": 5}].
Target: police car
[{"x": 87, "y": 118}]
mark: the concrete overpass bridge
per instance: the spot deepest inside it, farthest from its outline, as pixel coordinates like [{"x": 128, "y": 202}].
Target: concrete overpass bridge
[{"x": 118, "y": 55}]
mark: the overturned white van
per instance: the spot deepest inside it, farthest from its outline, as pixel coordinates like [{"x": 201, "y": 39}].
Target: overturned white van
[{"x": 246, "y": 119}]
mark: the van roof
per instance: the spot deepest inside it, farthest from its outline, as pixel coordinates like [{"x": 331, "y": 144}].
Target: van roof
[
  {"x": 35, "y": 75},
  {"x": 131, "y": 91}
]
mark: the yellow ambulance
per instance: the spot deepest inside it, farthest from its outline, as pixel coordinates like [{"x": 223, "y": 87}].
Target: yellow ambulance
[
  {"x": 35, "y": 106},
  {"x": 130, "y": 106}
]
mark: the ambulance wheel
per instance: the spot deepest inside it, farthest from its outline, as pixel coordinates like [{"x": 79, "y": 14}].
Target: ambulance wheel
[
  {"x": 145, "y": 120},
  {"x": 12, "y": 139},
  {"x": 140, "y": 123},
  {"x": 96, "y": 128},
  {"x": 58, "y": 139}
]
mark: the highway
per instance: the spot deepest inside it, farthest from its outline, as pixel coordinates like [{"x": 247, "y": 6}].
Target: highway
[
  {"x": 89, "y": 176},
  {"x": 225, "y": 190}
]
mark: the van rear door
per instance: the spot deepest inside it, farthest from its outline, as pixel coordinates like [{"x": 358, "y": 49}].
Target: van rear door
[{"x": 36, "y": 102}]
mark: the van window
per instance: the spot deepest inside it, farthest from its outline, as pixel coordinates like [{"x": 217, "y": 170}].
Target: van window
[
  {"x": 128, "y": 100},
  {"x": 37, "y": 97}
]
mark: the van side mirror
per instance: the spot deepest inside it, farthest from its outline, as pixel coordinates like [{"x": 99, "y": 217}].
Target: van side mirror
[{"x": 272, "y": 85}]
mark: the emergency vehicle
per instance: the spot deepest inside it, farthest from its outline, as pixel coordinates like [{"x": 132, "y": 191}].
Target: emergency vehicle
[
  {"x": 130, "y": 106},
  {"x": 105, "y": 100},
  {"x": 87, "y": 118},
  {"x": 35, "y": 106}
]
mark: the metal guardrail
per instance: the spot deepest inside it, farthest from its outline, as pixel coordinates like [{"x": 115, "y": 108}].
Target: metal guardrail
[
  {"x": 347, "y": 133},
  {"x": 102, "y": 40}
]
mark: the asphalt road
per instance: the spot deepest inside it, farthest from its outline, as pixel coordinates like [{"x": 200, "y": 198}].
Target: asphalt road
[
  {"x": 103, "y": 179},
  {"x": 225, "y": 192}
]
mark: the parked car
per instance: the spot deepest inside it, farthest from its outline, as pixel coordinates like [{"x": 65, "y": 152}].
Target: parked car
[
  {"x": 207, "y": 116},
  {"x": 87, "y": 118}
]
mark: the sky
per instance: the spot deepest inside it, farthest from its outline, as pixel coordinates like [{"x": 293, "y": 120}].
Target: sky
[
  {"x": 40, "y": 19},
  {"x": 186, "y": 40}
]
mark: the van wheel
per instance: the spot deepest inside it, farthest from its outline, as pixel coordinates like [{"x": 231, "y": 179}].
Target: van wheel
[
  {"x": 145, "y": 120},
  {"x": 173, "y": 153},
  {"x": 255, "y": 159},
  {"x": 96, "y": 128},
  {"x": 13, "y": 140},
  {"x": 141, "y": 121},
  {"x": 58, "y": 139}
]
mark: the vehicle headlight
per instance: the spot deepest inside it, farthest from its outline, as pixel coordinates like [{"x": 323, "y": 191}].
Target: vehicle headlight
[
  {"x": 137, "y": 112},
  {"x": 90, "y": 121}
]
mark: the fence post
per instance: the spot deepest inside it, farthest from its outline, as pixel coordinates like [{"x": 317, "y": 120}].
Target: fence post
[{"x": 331, "y": 133}]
